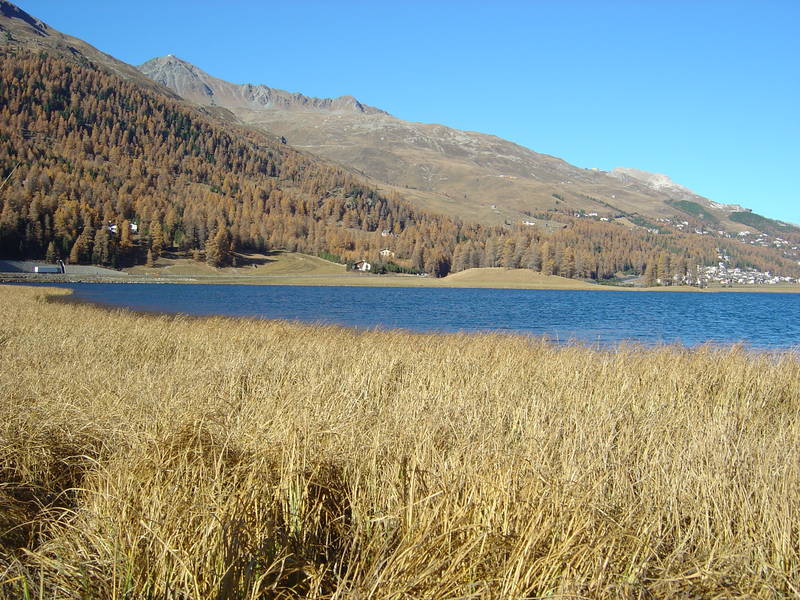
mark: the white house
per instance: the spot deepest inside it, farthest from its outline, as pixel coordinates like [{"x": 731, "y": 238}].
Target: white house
[{"x": 362, "y": 265}]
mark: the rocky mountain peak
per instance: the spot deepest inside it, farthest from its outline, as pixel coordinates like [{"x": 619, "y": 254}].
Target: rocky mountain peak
[
  {"x": 175, "y": 73},
  {"x": 655, "y": 181},
  {"x": 196, "y": 85}
]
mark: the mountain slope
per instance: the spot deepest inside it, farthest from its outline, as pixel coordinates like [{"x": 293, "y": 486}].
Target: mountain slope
[
  {"x": 105, "y": 170},
  {"x": 464, "y": 173}
]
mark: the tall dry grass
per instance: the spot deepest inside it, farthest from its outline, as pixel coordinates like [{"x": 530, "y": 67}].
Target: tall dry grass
[{"x": 169, "y": 457}]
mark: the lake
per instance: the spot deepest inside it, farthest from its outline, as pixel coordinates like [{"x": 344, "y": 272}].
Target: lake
[{"x": 605, "y": 318}]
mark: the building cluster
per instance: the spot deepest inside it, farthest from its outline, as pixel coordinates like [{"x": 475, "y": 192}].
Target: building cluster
[
  {"x": 591, "y": 215},
  {"x": 762, "y": 239},
  {"x": 687, "y": 228},
  {"x": 722, "y": 274}
]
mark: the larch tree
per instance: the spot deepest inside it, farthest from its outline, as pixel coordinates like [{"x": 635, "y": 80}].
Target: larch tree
[
  {"x": 156, "y": 239},
  {"x": 548, "y": 260},
  {"x": 650, "y": 274},
  {"x": 509, "y": 249},
  {"x": 51, "y": 256}
]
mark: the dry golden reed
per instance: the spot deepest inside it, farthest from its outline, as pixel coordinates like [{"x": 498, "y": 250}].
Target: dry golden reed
[{"x": 171, "y": 457}]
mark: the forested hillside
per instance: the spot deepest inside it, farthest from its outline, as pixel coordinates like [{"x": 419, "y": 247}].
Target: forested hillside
[
  {"x": 104, "y": 167},
  {"x": 103, "y": 170}
]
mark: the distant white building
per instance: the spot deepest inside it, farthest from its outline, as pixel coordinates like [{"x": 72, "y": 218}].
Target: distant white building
[
  {"x": 363, "y": 266},
  {"x": 47, "y": 269}
]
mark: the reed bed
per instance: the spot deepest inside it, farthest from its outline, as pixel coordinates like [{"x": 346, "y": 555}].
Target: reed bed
[{"x": 151, "y": 456}]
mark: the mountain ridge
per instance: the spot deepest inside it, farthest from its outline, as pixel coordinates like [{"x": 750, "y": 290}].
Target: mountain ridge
[
  {"x": 465, "y": 173},
  {"x": 12, "y": 11},
  {"x": 199, "y": 86}
]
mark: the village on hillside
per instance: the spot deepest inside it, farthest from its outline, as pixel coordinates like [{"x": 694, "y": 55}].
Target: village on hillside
[{"x": 723, "y": 274}]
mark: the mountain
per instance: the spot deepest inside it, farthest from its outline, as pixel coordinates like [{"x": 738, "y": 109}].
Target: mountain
[
  {"x": 467, "y": 174},
  {"x": 201, "y": 88},
  {"x": 103, "y": 164}
]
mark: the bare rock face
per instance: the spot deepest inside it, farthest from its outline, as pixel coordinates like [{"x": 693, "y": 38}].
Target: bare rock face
[
  {"x": 662, "y": 183},
  {"x": 198, "y": 86},
  {"x": 175, "y": 74},
  {"x": 11, "y": 11},
  {"x": 655, "y": 181}
]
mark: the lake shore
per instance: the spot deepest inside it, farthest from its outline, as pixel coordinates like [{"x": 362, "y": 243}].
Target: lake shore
[
  {"x": 283, "y": 268},
  {"x": 546, "y": 282},
  {"x": 592, "y": 317},
  {"x": 149, "y": 455}
]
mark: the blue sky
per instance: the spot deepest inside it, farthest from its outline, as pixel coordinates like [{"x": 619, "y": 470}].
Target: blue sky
[{"x": 704, "y": 91}]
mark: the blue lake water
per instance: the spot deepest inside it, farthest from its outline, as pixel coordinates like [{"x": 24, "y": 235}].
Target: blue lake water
[{"x": 759, "y": 320}]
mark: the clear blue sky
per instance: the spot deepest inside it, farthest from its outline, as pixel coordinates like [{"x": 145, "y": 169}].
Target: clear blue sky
[{"x": 706, "y": 92}]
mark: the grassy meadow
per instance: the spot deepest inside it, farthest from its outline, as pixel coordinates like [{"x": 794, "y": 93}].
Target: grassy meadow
[
  {"x": 292, "y": 268},
  {"x": 148, "y": 456}
]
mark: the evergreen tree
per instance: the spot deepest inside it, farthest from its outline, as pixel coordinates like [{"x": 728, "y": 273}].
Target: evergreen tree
[
  {"x": 125, "y": 240},
  {"x": 532, "y": 258},
  {"x": 51, "y": 256},
  {"x": 75, "y": 253},
  {"x": 650, "y": 274},
  {"x": 156, "y": 239},
  {"x": 437, "y": 263},
  {"x": 509, "y": 248},
  {"x": 101, "y": 249},
  {"x": 417, "y": 257},
  {"x": 218, "y": 248},
  {"x": 548, "y": 260},
  {"x": 489, "y": 254},
  {"x": 460, "y": 257},
  {"x": 664, "y": 269},
  {"x": 567, "y": 268}
]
